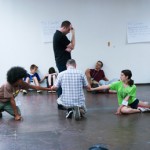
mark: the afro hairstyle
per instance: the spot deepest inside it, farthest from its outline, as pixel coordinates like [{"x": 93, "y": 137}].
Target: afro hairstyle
[{"x": 16, "y": 73}]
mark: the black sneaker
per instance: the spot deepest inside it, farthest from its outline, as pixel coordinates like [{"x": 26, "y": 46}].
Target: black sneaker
[
  {"x": 1, "y": 115},
  {"x": 61, "y": 107},
  {"x": 95, "y": 85},
  {"x": 77, "y": 113},
  {"x": 69, "y": 114}
]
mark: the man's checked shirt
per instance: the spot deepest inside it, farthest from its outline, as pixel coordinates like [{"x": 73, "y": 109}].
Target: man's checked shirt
[{"x": 72, "y": 82}]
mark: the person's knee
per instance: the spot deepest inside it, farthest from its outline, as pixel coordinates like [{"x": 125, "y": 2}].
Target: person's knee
[
  {"x": 102, "y": 82},
  {"x": 126, "y": 110},
  {"x": 35, "y": 79}
]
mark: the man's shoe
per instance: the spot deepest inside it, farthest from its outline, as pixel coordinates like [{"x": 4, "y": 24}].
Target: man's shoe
[
  {"x": 77, "y": 113},
  {"x": 69, "y": 114},
  {"x": 1, "y": 115},
  {"x": 39, "y": 91},
  {"x": 24, "y": 91}
]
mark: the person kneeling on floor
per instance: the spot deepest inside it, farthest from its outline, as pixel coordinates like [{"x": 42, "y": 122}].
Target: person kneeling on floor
[{"x": 72, "y": 82}]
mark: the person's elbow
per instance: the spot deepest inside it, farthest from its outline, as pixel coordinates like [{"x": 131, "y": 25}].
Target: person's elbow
[{"x": 71, "y": 46}]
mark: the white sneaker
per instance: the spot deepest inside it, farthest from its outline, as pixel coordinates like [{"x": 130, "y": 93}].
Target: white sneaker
[
  {"x": 53, "y": 91},
  {"x": 142, "y": 109},
  {"x": 24, "y": 91},
  {"x": 39, "y": 91}
]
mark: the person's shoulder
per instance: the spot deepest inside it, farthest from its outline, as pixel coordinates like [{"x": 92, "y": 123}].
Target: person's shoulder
[
  {"x": 79, "y": 71},
  {"x": 36, "y": 73},
  {"x": 133, "y": 86},
  {"x": 61, "y": 73},
  {"x": 6, "y": 85},
  {"x": 91, "y": 69},
  {"x": 102, "y": 70},
  {"x": 117, "y": 83},
  {"x": 58, "y": 33}
]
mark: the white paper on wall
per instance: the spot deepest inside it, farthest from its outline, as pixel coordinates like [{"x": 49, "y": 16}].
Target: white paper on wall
[{"x": 138, "y": 32}]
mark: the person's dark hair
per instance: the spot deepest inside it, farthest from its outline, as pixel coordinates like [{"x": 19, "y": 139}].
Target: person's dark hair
[
  {"x": 100, "y": 62},
  {"x": 66, "y": 24},
  {"x": 33, "y": 66},
  {"x": 51, "y": 70},
  {"x": 129, "y": 74},
  {"x": 71, "y": 62},
  {"x": 16, "y": 73}
]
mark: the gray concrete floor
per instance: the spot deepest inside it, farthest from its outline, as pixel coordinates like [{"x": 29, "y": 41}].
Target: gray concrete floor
[{"x": 46, "y": 128}]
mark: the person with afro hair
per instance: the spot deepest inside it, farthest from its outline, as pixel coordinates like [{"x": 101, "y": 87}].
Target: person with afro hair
[{"x": 10, "y": 89}]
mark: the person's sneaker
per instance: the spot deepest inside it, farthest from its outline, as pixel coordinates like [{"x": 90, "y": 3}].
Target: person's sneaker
[
  {"x": 61, "y": 107},
  {"x": 39, "y": 91},
  {"x": 82, "y": 113},
  {"x": 24, "y": 91},
  {"x": 142, "y": 109},
  {"x": 53, "y": 91},
  {"x": 95, "y": 85},
  {"x": 77, "y": 113},
  {"x": 69, "y": 114},
  {"x": 1, "y": 115}
]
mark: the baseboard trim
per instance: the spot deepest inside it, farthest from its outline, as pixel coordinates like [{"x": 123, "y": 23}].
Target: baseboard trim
[{"x": 142, "y": 84}]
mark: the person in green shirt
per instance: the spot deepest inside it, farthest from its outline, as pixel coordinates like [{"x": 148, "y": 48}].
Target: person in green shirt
[{"x": 126, "y": 94}]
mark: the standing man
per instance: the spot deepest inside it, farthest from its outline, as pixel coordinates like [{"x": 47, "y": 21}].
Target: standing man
[{"x": 63, "y": 46}]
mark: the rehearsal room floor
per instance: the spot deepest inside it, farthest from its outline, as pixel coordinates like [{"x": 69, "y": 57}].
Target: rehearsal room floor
[{"x": 45, "y": 128}]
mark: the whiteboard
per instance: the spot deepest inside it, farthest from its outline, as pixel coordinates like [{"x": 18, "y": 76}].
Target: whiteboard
[
  {"x": 138, "y": 32},
  {"x": 48, "y": 29}
]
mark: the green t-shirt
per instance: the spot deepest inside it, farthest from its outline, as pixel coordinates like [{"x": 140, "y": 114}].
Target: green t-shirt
[{"x": 122, "y": 91}]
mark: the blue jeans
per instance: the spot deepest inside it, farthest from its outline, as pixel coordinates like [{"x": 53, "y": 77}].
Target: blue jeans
[{"x": 103, "y": 82}]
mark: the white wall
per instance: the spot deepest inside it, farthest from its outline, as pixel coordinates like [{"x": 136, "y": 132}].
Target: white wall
[{"x": 96, "y": 22}]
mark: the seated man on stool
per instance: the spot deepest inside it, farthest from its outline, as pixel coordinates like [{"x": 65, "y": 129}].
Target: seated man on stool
[
  {"x": 72, "y": 82},
  {"x": 97, "y": 76}
]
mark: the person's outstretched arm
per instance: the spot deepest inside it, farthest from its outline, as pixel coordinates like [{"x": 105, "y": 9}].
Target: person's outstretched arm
[
  {"x": 39, "y": 88},
  {"x": 103, "y": 87}
]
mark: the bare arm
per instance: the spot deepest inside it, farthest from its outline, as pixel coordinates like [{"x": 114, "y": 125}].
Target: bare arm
[
  {"x": 71, "y": 46},
  {"x": 106, "y": 79},
  {"x": 14, "y": 107},
  {"x": 43, "y": 78},
  {"x": 121, "y": 106},
  {"x": 103, "y": 87},
  {"x": 88, "y": 76},
  {"x": 88, "y": 87},
  {"x": 54, "y": 88},
  {"x": 39, "y": 88}
]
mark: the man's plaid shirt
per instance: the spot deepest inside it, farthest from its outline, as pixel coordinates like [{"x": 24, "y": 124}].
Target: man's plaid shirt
[{"x": 72, "y": 82}]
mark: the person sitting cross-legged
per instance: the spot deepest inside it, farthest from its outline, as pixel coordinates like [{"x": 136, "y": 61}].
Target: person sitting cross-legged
[{"x": 33, "y": 78}]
